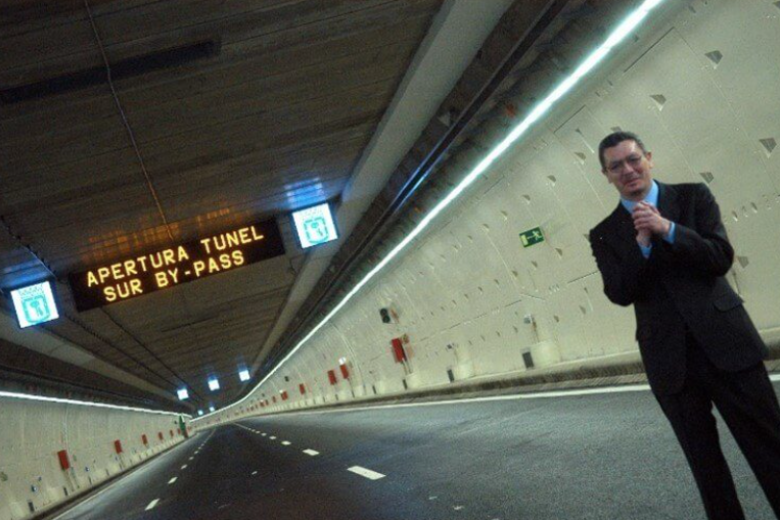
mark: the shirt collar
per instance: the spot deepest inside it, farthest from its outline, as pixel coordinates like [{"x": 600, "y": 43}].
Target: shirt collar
[{"x": 651, "y": 198}]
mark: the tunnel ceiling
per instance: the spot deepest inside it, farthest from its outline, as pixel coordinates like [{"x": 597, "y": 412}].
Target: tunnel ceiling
[
  {"x": 241, "y": 111},
  {"x": 224, "y": 114}
]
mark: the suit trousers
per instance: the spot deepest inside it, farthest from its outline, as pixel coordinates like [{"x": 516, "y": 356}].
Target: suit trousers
[{"x": 747, "y": 402}]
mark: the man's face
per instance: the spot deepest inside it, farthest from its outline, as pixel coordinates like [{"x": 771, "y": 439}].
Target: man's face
[{"x": 628, "y": 168}]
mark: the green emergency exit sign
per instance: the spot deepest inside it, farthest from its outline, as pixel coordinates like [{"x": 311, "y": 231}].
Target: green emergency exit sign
[{"x": 531, "y": 237}]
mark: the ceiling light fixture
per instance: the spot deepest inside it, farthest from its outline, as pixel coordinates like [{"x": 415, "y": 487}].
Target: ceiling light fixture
[{"x": 618, "y": 35}]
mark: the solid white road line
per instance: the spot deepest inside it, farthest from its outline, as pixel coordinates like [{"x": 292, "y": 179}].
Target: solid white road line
[
  {"x": 363, "y": 472},
  {"x": 286, "y": 443},
  {"x": 311, "y": 452},
  {"x": 152, "y": 504},
  {"x": 538, "y": 395},
  {"x": 172, "y": 480}
]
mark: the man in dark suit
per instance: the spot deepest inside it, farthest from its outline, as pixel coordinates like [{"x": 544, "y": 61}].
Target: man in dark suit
[{"x": 664, "y": 249}]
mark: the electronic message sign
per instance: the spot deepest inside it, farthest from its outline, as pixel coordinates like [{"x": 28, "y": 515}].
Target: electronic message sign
[{"x": 144, "y": 274}]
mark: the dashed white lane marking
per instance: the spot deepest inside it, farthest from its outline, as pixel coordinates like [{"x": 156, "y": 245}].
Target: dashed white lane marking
[
  {"x": 184, "y": 467},
  {"x": 286, "y": 443},
  {"x": 457, "y": 508},
  {"x": 152, "y": 504},
  {"x": 363, "y": 472},
  {"x": 254, "y": 473},
  {"x": 265, "y": 435},
  {"x": 311, "y": 452},
  {"x": 272, "y": 438},
  {"x": 192, "y": 458},
  {"x": 172, "y": 480}
]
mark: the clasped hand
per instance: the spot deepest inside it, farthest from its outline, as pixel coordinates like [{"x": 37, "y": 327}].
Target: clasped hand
[{"x": 648, "y": 222}]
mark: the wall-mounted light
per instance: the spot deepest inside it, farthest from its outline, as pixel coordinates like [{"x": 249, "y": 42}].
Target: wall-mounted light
[
  {"x": 200, "y": 412},
  {"x": 211, "y": 409}
]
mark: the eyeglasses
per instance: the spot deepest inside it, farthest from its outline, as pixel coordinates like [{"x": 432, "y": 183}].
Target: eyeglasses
[{"x": 633, "y": 160}]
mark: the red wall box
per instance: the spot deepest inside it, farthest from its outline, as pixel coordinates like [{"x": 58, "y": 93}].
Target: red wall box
[
  {"x": 344, "y": 371},
  {"x": 144, "y": 439},
  {"x": 332, "y": 377},
  {"x": 64, "y": 461},
  {"x": 398, "y": 350},
  {"x": 171, "y": 433},
  {"x": 302, "y": 388},
  {"x": 160, "y": 435},
  {"x": 118, "y": 446},
  {"x": 284, "y": 395}
]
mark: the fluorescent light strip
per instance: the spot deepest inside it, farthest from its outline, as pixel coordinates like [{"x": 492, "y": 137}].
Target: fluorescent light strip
[
  {"x": 29, "y": 397},
  {"x": 617, "y": 36}
]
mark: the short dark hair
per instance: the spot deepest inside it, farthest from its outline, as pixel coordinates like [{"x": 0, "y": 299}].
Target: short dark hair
[{"x": 615, "y": 139}]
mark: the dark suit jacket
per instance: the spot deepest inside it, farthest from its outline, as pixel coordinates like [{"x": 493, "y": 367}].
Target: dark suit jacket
[{"x": 681, "y": 285}]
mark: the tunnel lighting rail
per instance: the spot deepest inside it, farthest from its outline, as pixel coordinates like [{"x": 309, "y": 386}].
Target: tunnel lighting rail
[
  {"x": 58, "y": 400},
  {"x": 617, "y": 36}
]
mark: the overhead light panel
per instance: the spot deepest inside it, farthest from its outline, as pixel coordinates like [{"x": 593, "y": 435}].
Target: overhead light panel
[
  {"x": 315, "y": 225},
  {"x": 244, "y": 375},
  {"x": 183, "y": 394},
  {"x": 34, "y": 304},
  {"x": 213, "y": 384}
]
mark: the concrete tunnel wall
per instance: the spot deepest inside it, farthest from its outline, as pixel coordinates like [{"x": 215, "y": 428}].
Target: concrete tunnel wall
[
  {"x": 700, "y": 89},
  {"x": 34, "y": 432}
]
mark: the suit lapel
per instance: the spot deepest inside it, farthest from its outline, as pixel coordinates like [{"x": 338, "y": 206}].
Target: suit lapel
[
  {"x": 623, "y": 225},
  {"x": 668, "y": 204}
]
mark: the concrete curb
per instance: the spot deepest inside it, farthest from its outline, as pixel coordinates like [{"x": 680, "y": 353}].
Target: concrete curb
[{"x": 618, "y": 370}]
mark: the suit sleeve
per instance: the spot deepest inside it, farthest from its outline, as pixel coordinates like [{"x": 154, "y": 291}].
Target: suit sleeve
[
  {"x": 625, "y": 279},
  {"x": 705, "y": 249}
]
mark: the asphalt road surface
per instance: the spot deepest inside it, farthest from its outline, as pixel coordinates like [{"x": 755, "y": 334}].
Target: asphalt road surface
[{"x": 589, "y": 456}]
